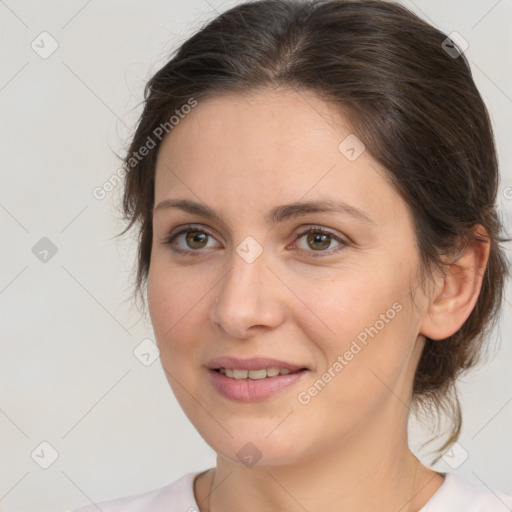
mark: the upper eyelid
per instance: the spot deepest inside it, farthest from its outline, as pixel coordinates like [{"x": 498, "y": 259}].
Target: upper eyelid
[
  {"x": 199, "y": 227},
  {"x": 188, "y": 227}
]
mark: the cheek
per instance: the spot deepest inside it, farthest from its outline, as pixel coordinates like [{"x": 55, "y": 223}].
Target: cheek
[
  {"x": 170, "y": 301},
  {"x": 172, "y": 293},
  {"x": 351, "y": 306},
  {"x": 179, "y": 299},
  {"x": 369, "y": 327},
  {"x": 174, "y": 310}
]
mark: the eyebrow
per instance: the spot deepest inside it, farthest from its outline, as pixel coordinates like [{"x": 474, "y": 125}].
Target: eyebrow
[{"x": 277, "y": 214}]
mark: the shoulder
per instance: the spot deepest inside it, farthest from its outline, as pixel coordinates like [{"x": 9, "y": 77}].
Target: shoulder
[
  {"x": 458, "y": 494},
  {"x": 176, "y": 496}
]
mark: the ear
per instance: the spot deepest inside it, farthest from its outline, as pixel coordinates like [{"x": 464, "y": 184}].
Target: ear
[{"x": 457, "y": 291}]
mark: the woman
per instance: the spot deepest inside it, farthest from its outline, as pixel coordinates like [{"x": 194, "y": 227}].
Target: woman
[{"x": 314, "y": 185}]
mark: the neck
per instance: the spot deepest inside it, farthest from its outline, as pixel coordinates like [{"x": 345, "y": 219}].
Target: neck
[{"x": 373, "y": 472}]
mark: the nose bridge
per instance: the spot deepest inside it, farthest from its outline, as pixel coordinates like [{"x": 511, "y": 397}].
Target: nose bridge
[
  {"x": 244, "y": 298},
  {"x": 246, "y": 277}
]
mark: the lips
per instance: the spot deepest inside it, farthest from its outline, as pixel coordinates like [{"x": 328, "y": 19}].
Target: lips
[{"x": 253, "y": 379}]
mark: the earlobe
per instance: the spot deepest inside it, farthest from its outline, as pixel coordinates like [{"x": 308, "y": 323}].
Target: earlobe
[{"x": 456, "y": 293}]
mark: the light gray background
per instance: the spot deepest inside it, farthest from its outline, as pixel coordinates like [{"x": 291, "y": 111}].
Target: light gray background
[{"x": 68, "y": 373}]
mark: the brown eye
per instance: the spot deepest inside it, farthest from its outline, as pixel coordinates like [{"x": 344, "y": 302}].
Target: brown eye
[
  {"x": 319, "y": 240},
  {"x": 316, "y": 240},
  {"x": 190, "y": 240},
  {"x": 196, "y": 239}
]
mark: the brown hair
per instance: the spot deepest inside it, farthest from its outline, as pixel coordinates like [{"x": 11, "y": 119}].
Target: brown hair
[{"x": 413, "y": 104}]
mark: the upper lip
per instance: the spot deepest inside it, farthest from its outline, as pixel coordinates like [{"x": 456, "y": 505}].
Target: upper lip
[{"x": 253, "y": 363}]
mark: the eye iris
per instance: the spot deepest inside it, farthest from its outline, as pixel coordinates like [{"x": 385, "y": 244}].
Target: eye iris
[
  {"x": 319, "y": 238},
  {"x": 196, "y": 237}
]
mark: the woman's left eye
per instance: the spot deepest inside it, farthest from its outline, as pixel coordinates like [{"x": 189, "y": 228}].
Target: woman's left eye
[
  {"x": 316, "y": 238},
  {"x": 320, "y": 239}
]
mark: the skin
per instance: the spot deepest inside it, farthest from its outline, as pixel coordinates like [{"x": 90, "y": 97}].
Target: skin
[{"x": 346, "y": 449}]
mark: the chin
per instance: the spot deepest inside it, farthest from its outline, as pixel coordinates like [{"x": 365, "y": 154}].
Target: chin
[{"x": 256, "y": 445}]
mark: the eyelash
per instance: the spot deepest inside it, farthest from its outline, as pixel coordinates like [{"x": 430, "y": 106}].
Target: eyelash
[{"x": 312, "y": 229}]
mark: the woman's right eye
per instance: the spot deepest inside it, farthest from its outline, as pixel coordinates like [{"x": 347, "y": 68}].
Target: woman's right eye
[{"x": 194, "y": 238}]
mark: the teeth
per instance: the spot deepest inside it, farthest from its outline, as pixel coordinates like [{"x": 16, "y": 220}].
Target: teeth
[
  {"x": 272, "y": 371},
  {"x": 263, "y": 373},
  {"x": 257, "y": 374},
  {"x": 240, "y": 374}
]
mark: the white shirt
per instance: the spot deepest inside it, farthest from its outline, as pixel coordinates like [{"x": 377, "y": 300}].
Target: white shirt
[{"x": 454, "y": 495}]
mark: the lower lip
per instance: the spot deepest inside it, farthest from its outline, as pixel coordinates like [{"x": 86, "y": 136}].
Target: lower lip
[{"x": 249, "y": 390}]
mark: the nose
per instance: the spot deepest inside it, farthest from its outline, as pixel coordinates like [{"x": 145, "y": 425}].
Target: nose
[{"x": 248, "y": 299}]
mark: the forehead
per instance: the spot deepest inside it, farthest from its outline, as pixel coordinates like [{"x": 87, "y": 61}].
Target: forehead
[
  {"x": 269, "y": 147},
  {"x": 257, "y": 126}
]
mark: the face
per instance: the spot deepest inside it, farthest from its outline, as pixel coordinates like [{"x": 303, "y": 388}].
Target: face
[{"x": 290, "y": 328}]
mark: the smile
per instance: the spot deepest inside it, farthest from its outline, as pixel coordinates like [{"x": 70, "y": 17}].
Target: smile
[{"x": 262, "y": 373}]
